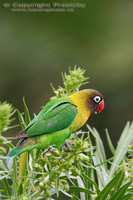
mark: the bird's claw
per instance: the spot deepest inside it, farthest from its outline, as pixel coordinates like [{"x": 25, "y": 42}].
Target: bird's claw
[
  {"x": 50, "y": 148},
  {"x": 66, "y": 144}
]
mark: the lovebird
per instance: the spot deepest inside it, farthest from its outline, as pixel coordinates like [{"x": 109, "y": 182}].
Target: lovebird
[{"x": 57, "y": 120}]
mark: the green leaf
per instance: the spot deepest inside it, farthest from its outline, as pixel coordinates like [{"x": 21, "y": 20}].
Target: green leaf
[
  {"x": 100, "y": 157},
  {"x": 123, "y": 144},
  {"x": 4, "y": 176},
  {"x": 15, "y": 190},
  {"x": 91, "y": 181},
  {"x": 52, "y": 87},
  {"x": 80, "y": 189},
  {"x": 75, "y": 197},
  {"x": 104, "y": 193},
  {"x": 130, "y": 190},
  {"x": 27, "y": 114},
  {"x": 20, "y": 191},
  {"x": 5, "y": 186},
  {"x": 88, "y": 169},
  {"x": 65, "y": 193},
  {"x": 57, "y": 186},
  {"x": 33, "y": 195},
  {"x": 99, "y": 146},
  {"x": 21, "y": 120},
  {"x": 120, "y": 193},
  {"x": 110, "y": 142},
  {"x": 110, "y": 159},
  {"x": 119, "y": 182},
  {"x": 127, "y": 197}
]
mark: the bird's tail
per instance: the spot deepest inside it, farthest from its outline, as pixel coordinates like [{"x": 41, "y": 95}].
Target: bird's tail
[
  {"x": 15, "y": 152},
  {"x": 25, "y": 144}
]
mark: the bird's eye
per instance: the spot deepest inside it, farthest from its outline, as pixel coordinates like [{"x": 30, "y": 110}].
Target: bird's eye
[{"x": 97, "y": 99}]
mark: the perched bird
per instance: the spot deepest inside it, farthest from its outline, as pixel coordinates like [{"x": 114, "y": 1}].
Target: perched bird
[{"x": 57, "y": 120}]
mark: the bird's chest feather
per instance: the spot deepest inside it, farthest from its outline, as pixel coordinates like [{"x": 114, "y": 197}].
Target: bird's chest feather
[{"x": 81, "y": 117}]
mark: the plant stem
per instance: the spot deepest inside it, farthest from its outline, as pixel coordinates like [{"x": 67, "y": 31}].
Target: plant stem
[{"x": 22, "y": 166}]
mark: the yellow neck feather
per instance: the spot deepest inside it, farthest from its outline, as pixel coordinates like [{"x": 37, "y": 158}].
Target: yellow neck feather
[{"x": 80, "y": 100}]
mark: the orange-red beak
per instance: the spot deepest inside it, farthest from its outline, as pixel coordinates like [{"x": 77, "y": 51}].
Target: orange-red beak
[{"x": 100, "y": 107}]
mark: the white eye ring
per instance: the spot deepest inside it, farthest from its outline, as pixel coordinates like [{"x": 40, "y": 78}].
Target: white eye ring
[{"x": 97, "y": 99}]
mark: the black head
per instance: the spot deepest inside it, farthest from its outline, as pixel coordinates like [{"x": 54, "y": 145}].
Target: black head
[{"x": 95, "y": 101}]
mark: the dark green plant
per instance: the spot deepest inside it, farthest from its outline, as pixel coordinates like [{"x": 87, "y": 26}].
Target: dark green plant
[{"x": 81, "y": 174}]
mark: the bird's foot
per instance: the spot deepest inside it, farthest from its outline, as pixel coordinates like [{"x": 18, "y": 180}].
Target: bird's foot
[
  {"x": 66, "y": 144},
  {"x": 50, "y": 148}
]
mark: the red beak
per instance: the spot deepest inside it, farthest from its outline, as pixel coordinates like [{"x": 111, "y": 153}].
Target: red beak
[{"x": 100, "y": 106}]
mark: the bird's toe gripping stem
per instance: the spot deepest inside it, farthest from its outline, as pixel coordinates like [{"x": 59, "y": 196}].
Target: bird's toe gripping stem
[
  {"x": 50, "y": 148},
  {"x": 66, "y": 144}
]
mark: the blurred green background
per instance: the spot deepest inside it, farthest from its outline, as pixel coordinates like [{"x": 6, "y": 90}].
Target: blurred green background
[{"x": 36, "y": 47}]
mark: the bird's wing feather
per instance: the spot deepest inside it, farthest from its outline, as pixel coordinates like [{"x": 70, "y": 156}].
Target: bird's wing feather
[{"x": 57, "y": 117}]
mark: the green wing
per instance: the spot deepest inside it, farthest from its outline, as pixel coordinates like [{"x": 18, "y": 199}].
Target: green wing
[{"x": 55, "y": 116}]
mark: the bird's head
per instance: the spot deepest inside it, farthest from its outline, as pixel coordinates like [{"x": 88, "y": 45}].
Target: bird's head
[
  {"x": 88, "y": 101},
  {"x": 96, "y": 101}
]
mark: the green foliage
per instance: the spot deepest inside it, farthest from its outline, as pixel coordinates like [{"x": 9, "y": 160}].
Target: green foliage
[
  {"x": 71, "y": 82},
  {"x": 6, "y": 111},
  {"x": 81, "y": 174}
]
